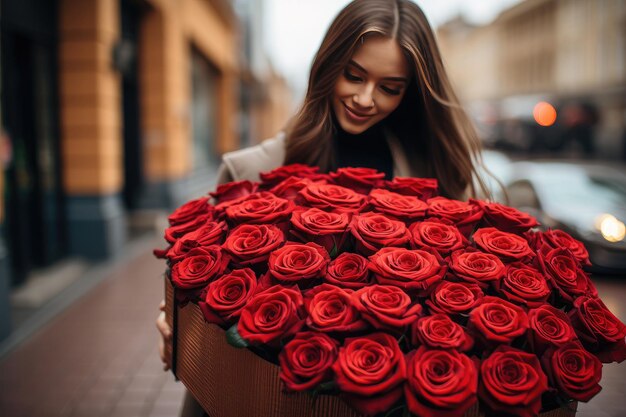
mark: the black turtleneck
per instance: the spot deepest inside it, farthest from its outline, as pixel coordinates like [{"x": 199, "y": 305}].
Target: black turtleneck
[{"x": 368, "y": 149}]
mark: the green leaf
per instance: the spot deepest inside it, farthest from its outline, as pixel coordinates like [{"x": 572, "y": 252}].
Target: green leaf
[
  {"x": 333, "y": 251},
  {"x": 234, "y": 338}
]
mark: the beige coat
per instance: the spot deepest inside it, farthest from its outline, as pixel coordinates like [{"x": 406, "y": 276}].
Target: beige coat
[{"x": 245, "y": 164}]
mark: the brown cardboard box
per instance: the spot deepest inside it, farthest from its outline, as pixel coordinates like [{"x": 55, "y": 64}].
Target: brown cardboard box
[{"x": 231, "y": 382}]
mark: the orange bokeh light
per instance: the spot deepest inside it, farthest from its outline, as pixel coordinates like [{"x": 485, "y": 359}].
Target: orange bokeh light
[{"x": 544, "y": 113}]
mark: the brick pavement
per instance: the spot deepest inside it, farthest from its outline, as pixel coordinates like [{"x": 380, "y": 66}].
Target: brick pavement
[{"x": 99, "y": 357}]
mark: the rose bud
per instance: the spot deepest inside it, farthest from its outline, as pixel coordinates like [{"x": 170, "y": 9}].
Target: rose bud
[
  {"x": 415, "y": 271},
  {"x": 497, "y": 321},
  {"x": 560, "y": 239},
  {"x": 549, "y": 327},
  {"x": 330, "y": 197},
  {"x": 475, "y": 267},
  {"x": 507, "y": 219},
  {"x": 565, "y": 274},
  {"x": 233, "y": 191},
  {"x": 523, "y": 285},
  {"x": 373, "y": 231},
  {"x": 463, "y": 215},
  {"x": 573, "y": 371},
  {"x": 361, "y": 180},
  {"x": 227, "y": 296},
  {"x": 173, "y": 233},
  {"x": 289, "y": 188},
  {"x": 276, "y": 176},
  {"x": 272, "y": 315},
  {"x": 440, "y": 332},
  {"x": 349, "y": 270},
  {"x": 331, "y": 310},
  {"x": 435, "y": 234},
  {"x": 298, "y": 263},
  {"x": 326, "y": 229},
  {"x": 251, "y": 244},
  {"x": 401, "y": 207},
  {"x": 386, "y": 307},
  {"x": 199, "y": 267},
  {"x": 212, "y": 233},
  {"x": 454, "y": 298},
  {"x": 422, "y": 188},
  {"x": 507, "y": 246},
  {"x": 190, "y": 211},
  {"x": 369, "y": 372},
  {"x": 261, "y": 208},
  {"x": 598, "y": 329},
  {"x": 512, "y": 383},
  {"x": 305, "y": 362},
  {"x": 440, "y": 383}
]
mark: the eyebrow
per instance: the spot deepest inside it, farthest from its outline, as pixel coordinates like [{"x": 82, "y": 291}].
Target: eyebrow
[{"x": 400, "y": 79}]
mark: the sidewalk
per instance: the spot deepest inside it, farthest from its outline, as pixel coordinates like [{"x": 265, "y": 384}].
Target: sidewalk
[{"x": 99, "y": 357}]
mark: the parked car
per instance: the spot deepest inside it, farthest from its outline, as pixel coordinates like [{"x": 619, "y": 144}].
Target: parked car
[{"x": 586, "y": 200}]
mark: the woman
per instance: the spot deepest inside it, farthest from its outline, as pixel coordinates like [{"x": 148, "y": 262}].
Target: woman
[{"x": 378, "y": 97}]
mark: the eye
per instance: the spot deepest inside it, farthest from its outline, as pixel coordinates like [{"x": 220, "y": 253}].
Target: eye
[
  {"x": 351, "y": 77},
  {"x": 390, "y": 91}
]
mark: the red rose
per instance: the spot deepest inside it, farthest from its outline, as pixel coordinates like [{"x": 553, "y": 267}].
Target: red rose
[
  {"x": 289, "y": 188},
  {"x": 471, "y": 265},
  {"x": 402, "y": 207},
  {"x": 330, "y": 197},
  {"x": 386, "y": 307},
  {"x": 454, "y": 298},
  {"x": 272, "y": 315},
  {"x": 227, "y": 296},
  {"x": 324, "y": 228},
  {"x": 190, "y": 211},
  {"x": 373, "y": 231},
  {"x": 434, "y": 234},
  {"x": 233, "y": 191},
  {"x": 260, "y": 208},
  {"x": 422, "y": 188},
  {"x": 305, "y": 362},
  {"x": 523, "y": 285},
  {"x": 512, "y": 383},
  {"x": 549, "y": 326},
  {"x": 464, "y": 215},
  {"x": 349, "y": 270},
  {"x": 173, "y": 233},
  {"x": 414, "y": 271},
  {"x": 200, "y": 266},
  {"x": 560, "y": 239},
  {"x": 507, "y": 219},
  {"x": 497, "y": 321},
  {"x": 598, "y": 329},
  {"x": 298, "y": 263},
  {"x": 212, "y": 233},
  {"x": 361, "y": 180},
  {"x": 573, "y": 371},
  {"x": 276, "y": 176},
  {"x": 440, "y": 332},
  {"x": 251, "y": 244},
  {"x": 440, "y": 383},
  {"x": 506, "y": 246},
  {"x": 369, "y": 371},
  {"x": 331, "y": 309},
  {"x": 565, "y": 274}
]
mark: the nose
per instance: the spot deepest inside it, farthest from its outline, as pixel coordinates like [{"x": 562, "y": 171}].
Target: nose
[{"x": 364, "y": 97}]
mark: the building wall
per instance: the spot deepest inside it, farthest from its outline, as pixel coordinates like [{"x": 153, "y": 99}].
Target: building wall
[{"x": 562, "y": 49}]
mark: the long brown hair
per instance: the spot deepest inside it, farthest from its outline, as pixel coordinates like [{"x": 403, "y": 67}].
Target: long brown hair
[{"x": 435, "y": 132}]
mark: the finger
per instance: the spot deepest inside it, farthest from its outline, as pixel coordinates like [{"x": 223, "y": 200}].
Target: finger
[
  {"x": 163, "y": 327},
  {"x": 162, "y": 305},
  {"x": 162, "y": 354}
]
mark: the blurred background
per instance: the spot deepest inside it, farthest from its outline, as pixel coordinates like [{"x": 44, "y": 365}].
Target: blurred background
[{"x": 114, "y": 112}]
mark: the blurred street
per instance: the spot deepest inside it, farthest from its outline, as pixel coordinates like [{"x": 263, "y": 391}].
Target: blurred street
[{"x": 99, "y": 357}]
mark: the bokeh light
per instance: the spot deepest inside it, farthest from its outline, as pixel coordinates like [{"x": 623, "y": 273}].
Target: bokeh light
[{"x": 544, "y": 113}]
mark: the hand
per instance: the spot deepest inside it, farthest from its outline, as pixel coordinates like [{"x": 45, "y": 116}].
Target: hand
[{"x": 165, "y": 342}]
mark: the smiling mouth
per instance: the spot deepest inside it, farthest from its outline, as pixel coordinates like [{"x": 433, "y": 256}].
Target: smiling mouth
[{"x": 353, "y": 114}]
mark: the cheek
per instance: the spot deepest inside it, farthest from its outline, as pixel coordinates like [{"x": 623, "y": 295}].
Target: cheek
[{"x": 387, "y": 105}]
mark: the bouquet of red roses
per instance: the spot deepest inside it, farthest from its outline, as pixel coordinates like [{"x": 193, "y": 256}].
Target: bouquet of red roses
[{"x": 391, "y": 296}]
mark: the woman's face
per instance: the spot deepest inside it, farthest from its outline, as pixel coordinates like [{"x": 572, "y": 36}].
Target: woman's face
[{"x": 371, "y": 86}]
